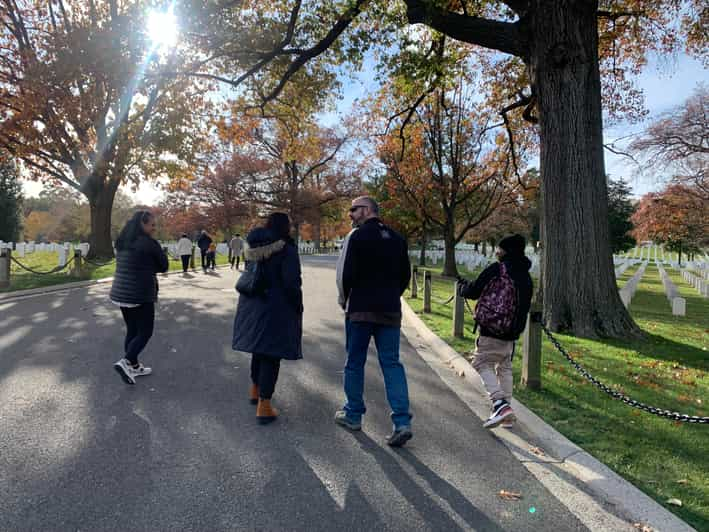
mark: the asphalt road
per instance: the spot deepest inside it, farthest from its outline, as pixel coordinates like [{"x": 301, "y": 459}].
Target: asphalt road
[{"x": 181, "y": 450}]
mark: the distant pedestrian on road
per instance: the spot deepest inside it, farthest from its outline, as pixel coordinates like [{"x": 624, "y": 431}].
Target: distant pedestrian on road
[
  {"x": 375, "y": 271},
  {"x": 504, "y": 294},
  {"x": 203, "y": 244},
  {"x": 184, "y": 250},
  {"x": 269, "y": 322},
  {"x": 236, "y": 247},
  {"x": 139, "y": 257}
]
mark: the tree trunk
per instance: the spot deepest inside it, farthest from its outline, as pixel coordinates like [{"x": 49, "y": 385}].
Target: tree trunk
[
  {"x": 316, "y": 231},
  {"x": 580, "y": 292},
  {"x": 679, "y": 255},
  {"x": 422, "y": 255},
  {"x": 450, "y": 268},
  {"x": 100, "y": 196}
]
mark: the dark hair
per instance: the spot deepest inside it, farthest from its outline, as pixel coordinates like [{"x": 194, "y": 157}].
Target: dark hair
[
  {"x": 133, "y": 229},
  {"x": 279, "y": 224}
]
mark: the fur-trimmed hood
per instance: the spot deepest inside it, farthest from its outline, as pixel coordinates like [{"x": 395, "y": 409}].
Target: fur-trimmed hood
[
  {"x": 260, "y": 245},
  {"x": 263, "y": 252}
]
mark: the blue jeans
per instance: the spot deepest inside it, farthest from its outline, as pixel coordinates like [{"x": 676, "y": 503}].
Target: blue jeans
[{"x": 386, "y": 339}]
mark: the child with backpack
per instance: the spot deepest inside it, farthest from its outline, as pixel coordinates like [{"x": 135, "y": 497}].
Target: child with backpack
[{"x": 504, "y": 294}]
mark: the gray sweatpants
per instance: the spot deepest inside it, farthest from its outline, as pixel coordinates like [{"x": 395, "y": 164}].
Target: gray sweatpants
[{"x": 493, "y": 361}]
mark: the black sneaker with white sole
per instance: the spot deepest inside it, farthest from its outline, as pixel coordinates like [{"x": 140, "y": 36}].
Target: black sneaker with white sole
[
  {"x": 123, "y": 368},
  {"x": 501, "y": 410}
]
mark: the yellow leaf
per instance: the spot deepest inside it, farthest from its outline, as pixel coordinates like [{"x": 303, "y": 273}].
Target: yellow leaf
[{"x": 512, "y": 496}]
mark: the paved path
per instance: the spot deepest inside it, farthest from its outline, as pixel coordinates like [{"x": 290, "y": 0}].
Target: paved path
[{"x": 181, "y": 450}]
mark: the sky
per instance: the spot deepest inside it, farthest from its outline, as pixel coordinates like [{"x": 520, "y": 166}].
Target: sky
[{"x": 666, "y": 84}]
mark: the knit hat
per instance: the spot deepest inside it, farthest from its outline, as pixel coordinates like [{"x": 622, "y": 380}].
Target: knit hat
[{"x": 513, "y": 245}]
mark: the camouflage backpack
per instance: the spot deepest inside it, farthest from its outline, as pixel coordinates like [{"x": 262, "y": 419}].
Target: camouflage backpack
[{"x": 495, "y": 310}]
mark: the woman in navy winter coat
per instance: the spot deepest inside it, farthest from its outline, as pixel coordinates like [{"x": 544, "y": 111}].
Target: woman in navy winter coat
[
  {"x": 135, "y": 289},
  {"x": 270, "y": 325}
]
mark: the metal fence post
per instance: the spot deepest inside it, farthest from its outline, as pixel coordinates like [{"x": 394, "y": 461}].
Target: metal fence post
[
  {"x": 192, "y": 258},
  {"x": 458, "y": 313},
  {"x": 427, "y": 288},
  {"x": 414, "y": 281},
  {"x": 5, "y": 255},
  {"x": 532, "y": 349},
  {"x": 164, "y": 250},
  {"x": 76, "y": 269}
]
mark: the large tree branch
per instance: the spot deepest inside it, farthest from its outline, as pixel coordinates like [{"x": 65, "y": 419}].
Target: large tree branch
[{"x": 502, "y": 36}]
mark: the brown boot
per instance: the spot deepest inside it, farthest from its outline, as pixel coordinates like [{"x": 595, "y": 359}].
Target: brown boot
[
  {"x": 253, "y": 394},
  {"x": 265, "y": 413}
]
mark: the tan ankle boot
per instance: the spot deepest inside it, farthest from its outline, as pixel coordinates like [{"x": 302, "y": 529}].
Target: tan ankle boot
[
  {"x": 265, "y": 413},
  {"x": 253, "y": 394}
]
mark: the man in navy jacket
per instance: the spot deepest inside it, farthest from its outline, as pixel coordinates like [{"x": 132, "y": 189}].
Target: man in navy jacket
[{"x": 375, "y": 272}]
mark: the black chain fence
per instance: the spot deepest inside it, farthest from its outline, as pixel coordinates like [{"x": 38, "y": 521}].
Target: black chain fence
[
  {"x": 36, "y": 272},
  {"x": 98, "y": 264},
  {"x": 615, "y": 394}
]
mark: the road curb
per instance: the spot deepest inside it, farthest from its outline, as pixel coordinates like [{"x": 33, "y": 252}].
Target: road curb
[{"x": 613, "y": 490}]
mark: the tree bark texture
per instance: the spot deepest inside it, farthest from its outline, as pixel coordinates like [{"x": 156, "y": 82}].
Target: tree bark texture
[
  {"x": 450, "y": 269},
  {"x": 100, "y": 198},
  {"x": 580, "y": 292}
]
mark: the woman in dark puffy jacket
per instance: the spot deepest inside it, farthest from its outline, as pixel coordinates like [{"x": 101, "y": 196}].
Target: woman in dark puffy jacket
[
  {"x": 135, "y": 289},
  {"x": 270, "y": 325}
]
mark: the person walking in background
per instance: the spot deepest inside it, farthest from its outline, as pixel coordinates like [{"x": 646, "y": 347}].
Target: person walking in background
[
  {"x": 269, "y": 319},
  {"x": 184, "y": 250},
  {"x": 203, "y": 244},
  {"x": 504, "y": 294},
  {"x": 212, "y": 256},
  {"x": 375, "y": 272},
  {"x": 236, "y": 247},
  {"x": 139, "y": 257}
]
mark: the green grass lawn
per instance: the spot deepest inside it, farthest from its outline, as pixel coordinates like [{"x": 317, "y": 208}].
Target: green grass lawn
[
  {"x": 46, "y": 261},
  {"x": 669, "y": 369}
]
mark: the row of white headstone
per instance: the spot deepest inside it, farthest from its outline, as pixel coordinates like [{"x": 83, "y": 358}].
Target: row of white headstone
[
  {"x": 21, "y": 249},
  {"x": 678, "y": 304},
  {"x": 629, "y": 289},
  {"x": 701, "y": 284}
]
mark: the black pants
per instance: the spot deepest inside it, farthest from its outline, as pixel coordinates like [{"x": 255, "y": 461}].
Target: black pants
[
  {"x": 185, "y": 262},
  {"x": 139, "y": 329},
  {"x": 204, "y": 259},
  {"x": 212, "y": 260},
  {"x": 264, "y": 373}
]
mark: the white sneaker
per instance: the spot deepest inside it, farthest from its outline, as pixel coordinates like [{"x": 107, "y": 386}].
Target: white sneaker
[
  {"x": 124, "y": 369},
  {"x": 141, "y": 371}
]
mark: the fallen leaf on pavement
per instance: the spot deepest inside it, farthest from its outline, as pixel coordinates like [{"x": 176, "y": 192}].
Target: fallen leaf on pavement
[
  {"x": 674, "y": 502},
  {"x": 537, "y": 451},
  {"x": 461, "y": 374},
  {"x": 642, "y": 527},
  {"x": 509, "y": 495}
]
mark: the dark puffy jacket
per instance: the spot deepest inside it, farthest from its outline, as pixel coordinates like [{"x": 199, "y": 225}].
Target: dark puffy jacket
[
  {"x": 272, "y": 324},
  {"x": 376, "y": 270},
  {"x": 136, "y": 265},
  {"x": 518, "y": 270},
  {"x": 203, "y": 243}
]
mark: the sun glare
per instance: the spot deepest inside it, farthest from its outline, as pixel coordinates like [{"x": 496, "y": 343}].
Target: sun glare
[{"x": 162, "y": 28}]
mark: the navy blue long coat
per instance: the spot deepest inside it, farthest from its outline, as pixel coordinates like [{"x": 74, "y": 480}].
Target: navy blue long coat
[{"x": 272, "y": 324}]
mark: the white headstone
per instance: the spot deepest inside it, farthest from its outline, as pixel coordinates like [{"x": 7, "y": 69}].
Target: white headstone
[{"x": 678, "y": 306}]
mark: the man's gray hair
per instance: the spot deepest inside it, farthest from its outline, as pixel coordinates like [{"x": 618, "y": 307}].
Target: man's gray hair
[{"x": 373, "y": 205}]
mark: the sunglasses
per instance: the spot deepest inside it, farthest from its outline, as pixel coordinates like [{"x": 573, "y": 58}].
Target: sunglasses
[{"x": 355, "y": 207}]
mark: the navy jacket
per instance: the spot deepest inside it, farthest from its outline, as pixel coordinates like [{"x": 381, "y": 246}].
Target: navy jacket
[
  {"x": 518, "y": 270},
  {"x": 272, "y": 324},
  {"x": 376, "y": 270},
  {"x": 203, "y": 243},
  {"x": 136, "y": 265}
]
